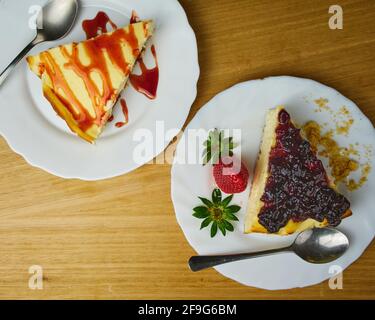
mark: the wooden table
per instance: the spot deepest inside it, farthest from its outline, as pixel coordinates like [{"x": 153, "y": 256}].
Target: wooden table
[{"x": 119, "y": 238}]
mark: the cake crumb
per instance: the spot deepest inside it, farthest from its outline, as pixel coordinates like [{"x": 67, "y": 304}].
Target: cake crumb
[
  {"x": 343, "y": 127},
  {"x": 340, "y": 162},
  {"x": 342, "y": 118},
  {"x": 322, "y": 103},
  {"x": 354, "y": 185}
]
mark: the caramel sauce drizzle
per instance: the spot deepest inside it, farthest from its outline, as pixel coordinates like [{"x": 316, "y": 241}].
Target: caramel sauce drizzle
[
  {"x": 145, "y": 83},
  {"x": 99, "y": 43},
  {"x": 60, "y": 83},
  {"x": 95, "y": 49}
]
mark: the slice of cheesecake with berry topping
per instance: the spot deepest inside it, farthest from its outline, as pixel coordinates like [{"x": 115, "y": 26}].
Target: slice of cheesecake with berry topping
[{"x": 291, "y": 191}]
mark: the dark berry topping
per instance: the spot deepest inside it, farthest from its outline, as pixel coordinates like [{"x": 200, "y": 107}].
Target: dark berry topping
[{"x": 297, "y": 187}]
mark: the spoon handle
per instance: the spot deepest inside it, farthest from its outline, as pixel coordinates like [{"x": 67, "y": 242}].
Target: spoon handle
[
  {"x": 17, "y": 59},
  {"x": 198, "y": 263}
]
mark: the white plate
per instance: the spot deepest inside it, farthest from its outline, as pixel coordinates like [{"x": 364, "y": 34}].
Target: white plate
[
  {"x": 244, "y": 107},
  {"x": 33, "y": 130}
]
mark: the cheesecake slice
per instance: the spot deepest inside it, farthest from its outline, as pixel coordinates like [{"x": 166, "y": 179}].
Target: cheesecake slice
[
  {"x": 82, "y": 81},
  {"x": 291, "y": 191}
]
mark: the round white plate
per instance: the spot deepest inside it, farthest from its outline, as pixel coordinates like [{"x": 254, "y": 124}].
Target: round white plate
[
  {"x": 244, "y": 107},
  {"x": 33, "y": 130}
]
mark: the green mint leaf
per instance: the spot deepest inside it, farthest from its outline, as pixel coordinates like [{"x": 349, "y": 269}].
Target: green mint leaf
[
  {"x": 226, "y": 201},
  {"x": 216, "y": 196},
  {"x": 199, "y": 215},
  {"x": 207, "y": 202},
  {"x": 222, "y": 228},
  {"x": 233, "y": 209},
  {"x": 201, "y": 212},
  {"x": 213, "y": 229},
  {"x": 206, "y": 222},
  {"x": 228, "y": 226},
  {"x": 231, "y": 216},
  {"x": 206, "y": 158}
]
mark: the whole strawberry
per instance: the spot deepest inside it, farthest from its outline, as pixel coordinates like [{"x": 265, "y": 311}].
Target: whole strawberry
[{"x": 231, "y": 175}]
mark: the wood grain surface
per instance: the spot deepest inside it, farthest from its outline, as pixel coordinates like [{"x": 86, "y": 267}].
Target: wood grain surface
[{"x": 119, "y": 238}]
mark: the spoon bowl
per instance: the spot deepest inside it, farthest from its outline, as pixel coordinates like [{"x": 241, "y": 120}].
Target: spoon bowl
[
  {"x": 54, "y": 22},
  {"x": 56, "y": 19},
  {"x": 320, "y": 245}
]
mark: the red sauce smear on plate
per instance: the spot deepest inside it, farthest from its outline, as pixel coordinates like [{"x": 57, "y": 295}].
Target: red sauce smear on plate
[
  {"x": 98, "y": 25},
  {"x": 147, "y": 82},
  {"x": 126, "y": 114}
]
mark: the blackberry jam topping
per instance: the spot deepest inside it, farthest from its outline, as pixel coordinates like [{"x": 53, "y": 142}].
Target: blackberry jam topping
[{"x": 297, "y": 187}]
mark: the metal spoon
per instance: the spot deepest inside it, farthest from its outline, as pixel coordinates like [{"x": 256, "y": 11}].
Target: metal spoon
[
  {"x": 54, "y": 22},
  {"x": 313, "y": 245}
]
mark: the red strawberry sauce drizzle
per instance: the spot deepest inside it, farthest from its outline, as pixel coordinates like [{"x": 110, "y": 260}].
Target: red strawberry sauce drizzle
[{"x": 297, "y": 187}]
